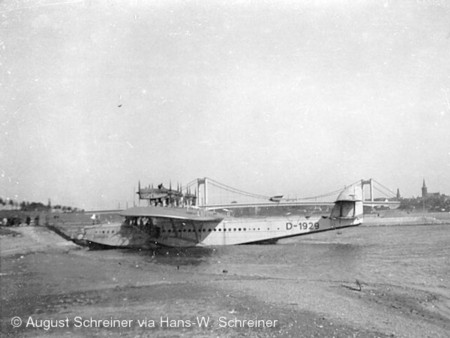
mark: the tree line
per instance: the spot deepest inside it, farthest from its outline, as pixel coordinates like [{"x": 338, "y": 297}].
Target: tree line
[
  {"x": 36, "y": 206},
  {"x": 437, "y": 202}
]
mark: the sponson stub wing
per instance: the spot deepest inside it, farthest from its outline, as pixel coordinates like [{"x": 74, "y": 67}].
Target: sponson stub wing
[{"x": 172, "y": 213}]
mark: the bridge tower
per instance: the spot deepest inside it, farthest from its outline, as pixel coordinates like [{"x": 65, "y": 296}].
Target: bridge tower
[
  {"x": 202, "y": 197},
  {"x": 370, "y": 183}
]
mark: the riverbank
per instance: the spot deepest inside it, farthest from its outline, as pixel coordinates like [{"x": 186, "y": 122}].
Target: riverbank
[
  {"x": 405, "y": 220},
  {"x": 30, "y": 239},
  {"x": 399, "y": 217},
  {"x": 44, "y": 277}
]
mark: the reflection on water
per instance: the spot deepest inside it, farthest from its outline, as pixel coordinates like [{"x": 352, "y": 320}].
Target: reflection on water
[
  {"x": 179, "y": 256},
  {"x": 401, "y": 255}
]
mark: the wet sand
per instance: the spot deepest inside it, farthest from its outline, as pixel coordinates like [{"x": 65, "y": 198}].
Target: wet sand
[{"x": 46, "y": 280}]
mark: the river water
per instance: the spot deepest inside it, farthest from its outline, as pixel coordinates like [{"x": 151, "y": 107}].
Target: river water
[
  {"x": 404, "y": 272},
  {"x": 416, "y": 256}
]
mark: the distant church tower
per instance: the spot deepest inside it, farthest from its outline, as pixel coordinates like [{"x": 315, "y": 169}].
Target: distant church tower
[{"x": 424, "y": 190}]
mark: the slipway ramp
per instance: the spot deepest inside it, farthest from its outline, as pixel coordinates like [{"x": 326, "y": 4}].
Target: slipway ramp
[{"x": 33, "y": 239}]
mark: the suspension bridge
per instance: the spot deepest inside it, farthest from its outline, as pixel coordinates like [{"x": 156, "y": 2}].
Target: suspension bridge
[{"x": 212, "y": 195}]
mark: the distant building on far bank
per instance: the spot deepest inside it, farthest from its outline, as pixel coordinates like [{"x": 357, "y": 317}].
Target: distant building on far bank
[
  {"x": 424, "y": 189},
  {"x": 429, "y": 201},
  {"x": 426, "y": 194}
]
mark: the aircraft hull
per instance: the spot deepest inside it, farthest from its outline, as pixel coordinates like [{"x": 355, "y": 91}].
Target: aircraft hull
[
  {"x": 180, "y": 227},
  {"x": 229, "y": 231}
]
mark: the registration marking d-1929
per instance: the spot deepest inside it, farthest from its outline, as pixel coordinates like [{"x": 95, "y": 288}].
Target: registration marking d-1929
[{"x": 303, "y": 225}]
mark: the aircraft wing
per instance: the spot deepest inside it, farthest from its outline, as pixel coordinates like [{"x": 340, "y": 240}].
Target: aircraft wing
[
  {"x": 162, "y": 212},
  {"x": 152, "y": 195}
]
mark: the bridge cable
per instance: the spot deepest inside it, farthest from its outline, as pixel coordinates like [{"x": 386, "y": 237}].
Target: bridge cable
[
  {"x": 328, "y": 194},
  {"x": 231, "y": 189},
  {"x": 386, "y": 188},
  {"x": 238, "y": 191}
]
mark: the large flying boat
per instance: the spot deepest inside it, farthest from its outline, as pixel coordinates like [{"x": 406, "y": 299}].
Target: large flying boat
[{"x": 173, "y": 220}]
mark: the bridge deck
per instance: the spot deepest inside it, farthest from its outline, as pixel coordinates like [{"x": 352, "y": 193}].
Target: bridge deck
[{"x": 291, "y": 204}]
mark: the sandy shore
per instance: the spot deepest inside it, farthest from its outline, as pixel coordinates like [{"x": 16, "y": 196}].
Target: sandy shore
[{"x": 46, "y": 280}]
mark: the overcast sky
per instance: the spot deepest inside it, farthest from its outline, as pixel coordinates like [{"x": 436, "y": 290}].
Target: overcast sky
[{"x": 267, "y": 96}]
